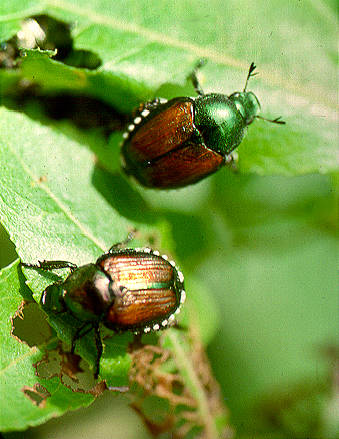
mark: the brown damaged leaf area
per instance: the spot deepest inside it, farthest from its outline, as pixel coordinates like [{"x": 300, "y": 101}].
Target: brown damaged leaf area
[
  {"x": 155, "y": 376},
  {"x": 29, "y": 326},
  {"x": 38, "y": 394},
  {"x": 66, "y": 366}
]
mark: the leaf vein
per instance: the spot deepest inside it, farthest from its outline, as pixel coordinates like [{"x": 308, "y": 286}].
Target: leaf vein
[{"x": 62, "y": 207}]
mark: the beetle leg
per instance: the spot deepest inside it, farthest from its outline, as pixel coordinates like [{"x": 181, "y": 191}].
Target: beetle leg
[
  {"x": 51, "y": 265},
  {"x": 193, "y": 77},
  {"x": 98, "y": 343},
  {"x": 179, "y": 326},
  {"x": 79, "y": 334},
  {"x": 231, "y": 160}
]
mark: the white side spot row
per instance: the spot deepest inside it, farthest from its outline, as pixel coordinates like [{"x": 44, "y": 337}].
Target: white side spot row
[
  {"x": 167, "y": 321},
  {"x": 181, "y": 276},
  {"x": 138, "y": 119}
]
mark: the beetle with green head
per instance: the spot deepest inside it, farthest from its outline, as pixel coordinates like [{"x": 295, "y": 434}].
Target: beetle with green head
[{"x": 171, "y": 144}]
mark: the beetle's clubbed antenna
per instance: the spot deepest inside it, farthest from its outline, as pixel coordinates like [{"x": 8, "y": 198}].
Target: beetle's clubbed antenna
[
  {"x": 193, "y": 76},
  {"x": 250, "y": 74},
  {"x": 276, "y": 120}
]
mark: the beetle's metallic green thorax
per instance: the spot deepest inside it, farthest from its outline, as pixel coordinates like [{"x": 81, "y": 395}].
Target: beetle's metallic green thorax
[{"x": 220, "y": 123}]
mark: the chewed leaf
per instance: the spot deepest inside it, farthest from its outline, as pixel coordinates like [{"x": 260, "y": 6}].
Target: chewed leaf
[{"x": 27, "y": 399}]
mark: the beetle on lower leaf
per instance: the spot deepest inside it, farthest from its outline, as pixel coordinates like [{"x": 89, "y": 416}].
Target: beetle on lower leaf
[
  {"x": 175, "y": 143},
  {"x": 126, "y": 289}
]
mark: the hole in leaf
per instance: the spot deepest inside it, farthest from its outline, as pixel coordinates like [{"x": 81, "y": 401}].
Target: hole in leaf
[
  {"x": 47, "y": 33},
  {"x": 61, "y": 363},
  {"x": 43, "y": 104},
  {"x": 30, "y": 325},
  {"x": 37, "y": 394}
]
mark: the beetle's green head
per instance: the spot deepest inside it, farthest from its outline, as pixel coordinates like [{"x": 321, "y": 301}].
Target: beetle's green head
[
  {"x": 247, "y": 104},
  {"x": 50, "y": 299}
]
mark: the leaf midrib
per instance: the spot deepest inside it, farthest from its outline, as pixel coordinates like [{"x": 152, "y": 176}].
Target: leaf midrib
[
  {"x": 273, "y": 78},
  {"x": 185, "y": 365}
]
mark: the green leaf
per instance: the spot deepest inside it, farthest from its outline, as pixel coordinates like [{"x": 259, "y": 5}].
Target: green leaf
[
  {"x": 255, "y": 242},
  {"x": 52, "y": 210},
  {"x": 47, "y": 180},
  {"x": 54, "y": 204},
  {"x": 141, "y": 52},
  {"x": 58, "y": 204},
  {"x": 12, "y": 13},
  {"x": 18, "y": 380}
]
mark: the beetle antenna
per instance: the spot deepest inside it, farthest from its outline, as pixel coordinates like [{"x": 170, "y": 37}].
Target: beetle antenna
[
  {"x": 123, "y": 243},
  {"x": 250, "y": 74},
  {"x": 193, "y": 76},
  {"x": 276, "y": 120}
]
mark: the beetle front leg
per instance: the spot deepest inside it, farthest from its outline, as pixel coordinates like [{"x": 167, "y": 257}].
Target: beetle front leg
[
  {"x": 98, "y": 343},
  {"x": 51, "y": 265},
  {"x": 80, "y": 333},
  {"x": 231, "y": 160}
]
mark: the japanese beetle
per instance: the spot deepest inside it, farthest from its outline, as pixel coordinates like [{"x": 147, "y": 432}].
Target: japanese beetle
[
  {"x": 126, "y": 289},
  {"x": 171, "y": 144}
]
